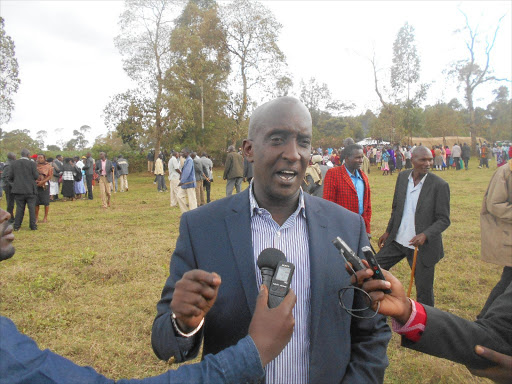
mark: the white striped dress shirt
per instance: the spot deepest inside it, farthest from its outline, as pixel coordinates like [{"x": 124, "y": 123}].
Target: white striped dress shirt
[{"x": 292, "y": 365}]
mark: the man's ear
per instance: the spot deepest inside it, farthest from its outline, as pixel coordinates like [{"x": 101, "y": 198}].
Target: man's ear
[{"x": 247, "y": 149}]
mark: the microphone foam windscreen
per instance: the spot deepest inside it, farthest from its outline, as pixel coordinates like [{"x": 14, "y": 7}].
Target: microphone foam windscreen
[{"x": 270, "y": 257}]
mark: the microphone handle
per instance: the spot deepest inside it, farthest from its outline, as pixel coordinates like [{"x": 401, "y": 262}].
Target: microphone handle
[{"x": 266, "y": 276}]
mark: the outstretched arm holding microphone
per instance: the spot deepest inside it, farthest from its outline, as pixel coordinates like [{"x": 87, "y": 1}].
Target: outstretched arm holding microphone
[{"x": 484, "y": 345}]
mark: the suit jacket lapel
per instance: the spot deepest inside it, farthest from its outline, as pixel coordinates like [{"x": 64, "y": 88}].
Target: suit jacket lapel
[
  {"x": 425, "y": 190},
  {"x": 238, "y": 224},
  {"x": 318, "y": 251}
]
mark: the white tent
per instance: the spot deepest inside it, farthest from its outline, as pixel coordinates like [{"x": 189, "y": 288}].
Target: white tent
[{"x": 370, "y": 141}]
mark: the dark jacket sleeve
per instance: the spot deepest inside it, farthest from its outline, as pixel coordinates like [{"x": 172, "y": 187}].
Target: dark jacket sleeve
[
  {"x": 163, "y": 338},
  {"x": 453, "y": 338},
  {"x": 370, "y": 338}
]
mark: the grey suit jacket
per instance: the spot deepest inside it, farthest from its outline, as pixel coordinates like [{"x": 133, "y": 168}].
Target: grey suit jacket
[
  {"x": 342, "y": 348},
  {"x": 432, "y": 215},
  {"x": 22, "y": 176},
  {"x": 108, "y": 169}
]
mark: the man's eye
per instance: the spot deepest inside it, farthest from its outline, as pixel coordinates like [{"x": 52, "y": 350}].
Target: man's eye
[
  {"x": 276, "y": 140},
  {"x": 305, "y": 143}
]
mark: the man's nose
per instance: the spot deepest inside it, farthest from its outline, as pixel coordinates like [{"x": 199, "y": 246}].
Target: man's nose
[{"x": 291, "y": 151}]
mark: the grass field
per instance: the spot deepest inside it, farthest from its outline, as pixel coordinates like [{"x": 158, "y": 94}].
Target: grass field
[{"x": 86, "y": 284}]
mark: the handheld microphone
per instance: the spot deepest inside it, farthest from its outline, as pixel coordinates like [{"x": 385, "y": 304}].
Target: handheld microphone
[
  {"x": 348, "y": 254},
  {"x": 374, "y": 265},
  {"x": 267, "y": 262}
]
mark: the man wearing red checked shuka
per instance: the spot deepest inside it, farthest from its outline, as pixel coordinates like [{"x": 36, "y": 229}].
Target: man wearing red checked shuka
[{"x": 348, "y": 186}]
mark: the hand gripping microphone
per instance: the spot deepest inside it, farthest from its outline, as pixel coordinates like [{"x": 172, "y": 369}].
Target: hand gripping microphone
[{"x": 267, "y": 263}]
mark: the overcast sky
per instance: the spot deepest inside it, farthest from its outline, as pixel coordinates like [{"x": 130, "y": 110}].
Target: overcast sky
[{"x": 69, "y": 67}]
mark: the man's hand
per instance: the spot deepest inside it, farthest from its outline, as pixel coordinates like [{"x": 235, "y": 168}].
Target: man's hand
[
  {"x": 382, "y": 239},
  {"x": 194, "y": 295},
  {"x": 418, "y": 240},
  {"x": 271, "y": 329},
  {"x": 395, "y": 304},
  {"x": 501, "y": 373}
]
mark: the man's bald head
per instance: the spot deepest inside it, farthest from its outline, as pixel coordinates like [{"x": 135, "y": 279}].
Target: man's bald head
[
  {"x": 420, "y": 151},
  {"x": 284, "y": 108}
]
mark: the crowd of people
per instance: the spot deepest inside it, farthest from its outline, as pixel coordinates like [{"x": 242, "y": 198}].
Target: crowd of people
[
  {"x": 33, "y": 181},
  {"x": 214, "y": 298}
]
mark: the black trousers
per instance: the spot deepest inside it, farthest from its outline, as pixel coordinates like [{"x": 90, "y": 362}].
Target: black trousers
[
  {"x": 21, "y": 202},
  {"x": 457, "y": 163},
  {"x": 207, "y": 186},
  {"x": 88, "y": 179},
  {"x": 466, "y": 161},
  {"x": 392, "y": 253},
  {"x": 9, "y": 198}
]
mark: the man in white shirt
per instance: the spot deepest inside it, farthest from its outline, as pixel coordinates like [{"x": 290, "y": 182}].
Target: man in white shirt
[
  {"x": 420, "y": 213},
  {"x": 174, "y": 177}
]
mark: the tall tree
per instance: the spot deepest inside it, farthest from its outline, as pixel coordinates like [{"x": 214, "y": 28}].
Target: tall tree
[
  {"x": 9, "y": 80},
  {"x": 252, "y": 39},
  {"x": 405, "y": 73},
  {"x": 144, "y": 43},
  {"x": 471, "y": 74},
  {"x": 499, "y": 113},
  {"x": 41, "y": 137},
  {"x": 318, "y": 99},
  {"x": 196, "y": 81}
]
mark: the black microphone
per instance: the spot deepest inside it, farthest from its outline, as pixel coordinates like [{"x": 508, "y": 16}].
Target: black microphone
[{"x": 267, "y": 263}]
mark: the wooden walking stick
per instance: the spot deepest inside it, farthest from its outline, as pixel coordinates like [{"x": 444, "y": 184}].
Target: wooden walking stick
[{"x": 413, "y": 269}]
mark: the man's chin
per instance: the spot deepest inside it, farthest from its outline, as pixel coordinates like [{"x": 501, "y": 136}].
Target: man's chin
[{"x": 7, "y": 253}]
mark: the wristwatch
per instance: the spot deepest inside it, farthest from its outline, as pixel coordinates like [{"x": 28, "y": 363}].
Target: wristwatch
[{"x": 181, "y": 333}]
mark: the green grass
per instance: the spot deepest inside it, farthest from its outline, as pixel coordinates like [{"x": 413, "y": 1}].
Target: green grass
[{"x": 86, "y": 284}]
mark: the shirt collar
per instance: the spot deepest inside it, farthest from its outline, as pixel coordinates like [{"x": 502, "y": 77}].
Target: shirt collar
[
  {"x": 421, "y": 181},
  {"x": 301, "y": 208},
  {"x": 355, "y": 174},
  {"x": 26, "y": 158}
]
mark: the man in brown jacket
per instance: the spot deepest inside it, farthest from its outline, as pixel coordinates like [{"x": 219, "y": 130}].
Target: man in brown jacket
[
  {"x": 233, "y": 171},
  {"x": 496, "y": 227}
]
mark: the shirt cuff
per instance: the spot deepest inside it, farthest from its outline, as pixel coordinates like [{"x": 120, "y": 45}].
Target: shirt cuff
[{"x": 414, "y": 327}]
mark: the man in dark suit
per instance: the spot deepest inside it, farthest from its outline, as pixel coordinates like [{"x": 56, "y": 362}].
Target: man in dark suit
[
  {"x": 89, "y": 173},
  {"x": 9, "y": 197},
  {"x": 420, "y": 213},
  {"x": 328, "y": 345},
  {"x": 22, "y": 176}
]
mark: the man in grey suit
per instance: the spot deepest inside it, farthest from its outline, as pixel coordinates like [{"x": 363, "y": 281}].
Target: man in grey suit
[
  {"x": 328, "y": 345},
  {"x": 22, "y": 176},
  {"x": 89, "y": 173},
  {"x": 420, "y": 213},
  {"x": 233, "y": 171}
]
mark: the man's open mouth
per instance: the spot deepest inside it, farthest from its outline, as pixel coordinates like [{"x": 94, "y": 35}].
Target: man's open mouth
[{"x": 287, "y": 175}]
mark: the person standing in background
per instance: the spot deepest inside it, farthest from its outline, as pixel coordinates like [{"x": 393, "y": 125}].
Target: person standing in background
[
  {"x": 89, "y": 173},
  {"x": 207, "y": 162},
  {"x": 9, "y": 197},
  {"x": 233, "y": 171},
  {"x": 159, "y": 173},
  {"x": 174, "y": 177}
]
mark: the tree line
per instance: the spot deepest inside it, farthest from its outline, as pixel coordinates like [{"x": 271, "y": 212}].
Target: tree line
[{"x": 201, "y": 67}]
